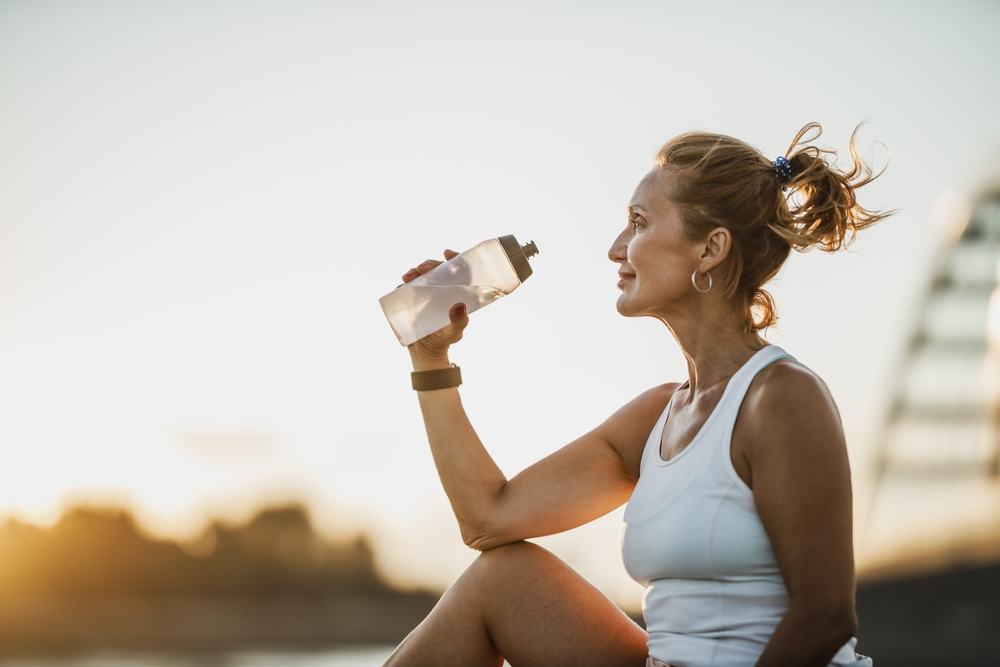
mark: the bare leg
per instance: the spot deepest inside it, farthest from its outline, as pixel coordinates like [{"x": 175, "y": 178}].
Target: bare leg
[{"x": 521, "y": 603}]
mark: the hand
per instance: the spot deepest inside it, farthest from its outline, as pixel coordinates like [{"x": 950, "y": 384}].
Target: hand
[{"x": 434, "y": 348}]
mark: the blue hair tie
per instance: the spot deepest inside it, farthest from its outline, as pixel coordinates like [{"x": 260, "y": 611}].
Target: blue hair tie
[{"x": 782, "y": 171}]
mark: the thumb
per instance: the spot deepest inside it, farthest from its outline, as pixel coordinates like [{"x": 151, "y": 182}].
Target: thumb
[{"x": 459, "y": 316}]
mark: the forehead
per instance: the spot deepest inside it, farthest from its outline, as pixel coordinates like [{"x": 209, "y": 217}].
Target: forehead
[{"x": 651, "y": 193}]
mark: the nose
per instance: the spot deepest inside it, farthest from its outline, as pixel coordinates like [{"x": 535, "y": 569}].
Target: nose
[{"x": 618, "y": 251}]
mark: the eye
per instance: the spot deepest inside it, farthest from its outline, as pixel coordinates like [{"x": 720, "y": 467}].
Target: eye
[{"x": 636, "y": 223}]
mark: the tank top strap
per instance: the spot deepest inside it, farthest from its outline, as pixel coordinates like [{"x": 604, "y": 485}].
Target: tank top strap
[{"x": 740, "y": 384}]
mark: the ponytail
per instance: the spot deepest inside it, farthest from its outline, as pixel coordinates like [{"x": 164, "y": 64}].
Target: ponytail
[
  {"x": 822, "y": 208},
  {"x": 768, "y": 207}
]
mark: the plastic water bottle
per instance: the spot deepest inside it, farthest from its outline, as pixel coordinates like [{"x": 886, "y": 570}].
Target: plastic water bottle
[{"x": 477, "y": 277}]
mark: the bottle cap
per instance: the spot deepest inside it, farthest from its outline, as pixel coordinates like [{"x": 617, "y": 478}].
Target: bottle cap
[{"x": 518, "y": 255}]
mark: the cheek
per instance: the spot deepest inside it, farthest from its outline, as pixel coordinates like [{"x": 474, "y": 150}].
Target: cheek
[
  {"x": 646, "y": 253},
  {"x": 635, "y": 249}
]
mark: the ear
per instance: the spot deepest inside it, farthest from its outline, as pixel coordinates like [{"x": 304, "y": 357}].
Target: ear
[{"x": 716, "y": 249}]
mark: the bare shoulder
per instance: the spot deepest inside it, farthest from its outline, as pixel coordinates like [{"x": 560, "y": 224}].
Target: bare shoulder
[
  {"x": 627, "y": 430},
  {"x": 788, "y": 412},
  {"x": 785, "y": 389}
]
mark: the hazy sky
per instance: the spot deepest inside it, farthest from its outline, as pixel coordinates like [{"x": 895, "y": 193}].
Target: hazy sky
[{"x": 200, "y": 204}]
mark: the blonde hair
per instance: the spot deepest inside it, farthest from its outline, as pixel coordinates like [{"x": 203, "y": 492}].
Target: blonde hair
[{"x": 718, "y": 181}]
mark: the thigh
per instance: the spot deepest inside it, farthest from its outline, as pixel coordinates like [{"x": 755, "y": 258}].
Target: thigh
[
  {"x": 547, "y": 614},
  {"x": 521, "y": 602}
]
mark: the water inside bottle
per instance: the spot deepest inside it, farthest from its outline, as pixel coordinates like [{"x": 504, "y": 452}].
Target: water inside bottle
[{"x": 422, "y": 310}]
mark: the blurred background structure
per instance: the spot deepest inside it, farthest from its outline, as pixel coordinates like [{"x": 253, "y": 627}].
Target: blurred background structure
[
  {"x": 94, "y": 582},
  {"x": 933, "y": 591},
  {"x": 201, "y": 203},
  {"x": 940, "y": 447}
]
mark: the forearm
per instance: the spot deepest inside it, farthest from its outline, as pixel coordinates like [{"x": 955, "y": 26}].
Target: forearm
[
  {"x": 807, "y": 638},
  {"x": 470, "y": 477}
]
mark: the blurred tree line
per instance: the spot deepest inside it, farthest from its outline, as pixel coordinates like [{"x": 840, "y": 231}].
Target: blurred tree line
[{"x": 103, "y": 553}]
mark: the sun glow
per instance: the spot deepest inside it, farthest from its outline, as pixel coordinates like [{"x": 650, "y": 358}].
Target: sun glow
[{"x": 200, "y": 206}]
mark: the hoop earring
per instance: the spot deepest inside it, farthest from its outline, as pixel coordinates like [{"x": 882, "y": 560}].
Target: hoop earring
[{"x": 703, "y": 291}]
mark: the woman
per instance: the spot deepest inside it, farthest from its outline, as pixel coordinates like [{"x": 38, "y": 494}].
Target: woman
[{"x": 739, "y": 515}]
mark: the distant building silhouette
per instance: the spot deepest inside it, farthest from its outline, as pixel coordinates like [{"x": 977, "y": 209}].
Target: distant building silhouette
[
  {"x": 102, "y": 553},
  {"x": 95, "y": 582}
]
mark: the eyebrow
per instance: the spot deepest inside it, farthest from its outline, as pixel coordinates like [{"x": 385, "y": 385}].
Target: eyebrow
[{"x": 636, "y": 209}]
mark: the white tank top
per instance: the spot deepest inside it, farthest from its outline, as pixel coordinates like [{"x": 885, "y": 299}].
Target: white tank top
[{"x": 692, "y": 536}]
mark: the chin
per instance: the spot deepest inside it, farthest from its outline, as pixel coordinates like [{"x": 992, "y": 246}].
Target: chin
[{"x": 622, "y": 306}]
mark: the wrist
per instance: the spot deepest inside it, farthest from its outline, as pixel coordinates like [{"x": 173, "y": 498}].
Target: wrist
[
  {"x": 440, "y": 378},
  {"x": 423, "y": 361}
]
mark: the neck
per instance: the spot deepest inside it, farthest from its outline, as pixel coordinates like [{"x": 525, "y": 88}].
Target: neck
[{"x": 713, "y": 358}]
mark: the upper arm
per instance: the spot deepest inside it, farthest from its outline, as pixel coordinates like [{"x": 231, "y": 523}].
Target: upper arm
[
  {"x": 801, "y": 481},
  {"x": 578, "y": 483}
]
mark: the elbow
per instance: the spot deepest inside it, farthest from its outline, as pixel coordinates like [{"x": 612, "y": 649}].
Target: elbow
[
  {"x": 478, "y": 543},
  {"x": 831, "y": 625},
  {"x": 474, "y": 539},
  {"x": 838, "y": 625},
  {"x": 483, "y": 530},
  {"x": 840, "y": 619},
  {"x": 482, "y": 540},
  {"x": 476, "y": 532},
  {"x": 483, "y": 535},
  {"x": 845, "y": 624}
]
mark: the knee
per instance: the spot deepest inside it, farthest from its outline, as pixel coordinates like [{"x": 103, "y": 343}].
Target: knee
[
  {"x": 500, "y": 574},
  {"x": 492, "y": 574},
  {"x": 515, "y": 562}
]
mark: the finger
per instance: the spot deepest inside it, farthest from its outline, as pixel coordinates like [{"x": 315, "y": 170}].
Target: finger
[
  {"x": 427, "y": 265},
  {"x": 459, "y": 316},
  {"x": 448, "y": 254},
  {"x": 420, "y": 269}
]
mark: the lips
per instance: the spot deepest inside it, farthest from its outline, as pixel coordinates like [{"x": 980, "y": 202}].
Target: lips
[{"x": 624, "y": 278}]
